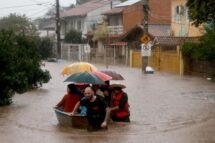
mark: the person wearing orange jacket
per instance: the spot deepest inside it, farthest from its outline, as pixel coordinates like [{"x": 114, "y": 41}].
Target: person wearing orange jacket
[{"x": 119, "y": 109}]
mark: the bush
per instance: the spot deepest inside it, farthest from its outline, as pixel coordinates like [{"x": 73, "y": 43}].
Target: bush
[
  {"x": 20, "y": 65},
  {"x": 204, "y": 50},
  {"x": 46, "y": 48},
  {"x": 74, "y": 37}
]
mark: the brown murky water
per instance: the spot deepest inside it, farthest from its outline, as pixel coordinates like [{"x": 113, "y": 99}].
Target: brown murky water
[{"x": 165, "y": 108}]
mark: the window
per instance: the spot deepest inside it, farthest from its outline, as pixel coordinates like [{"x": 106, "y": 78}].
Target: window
[
  {"x": 177, "y": 15},
  {"x": 115, "y": 20},
  {"x": 79, "y": 26},
  {"x": 187, "y": 14},
  {"x": 72, "y": 24},
  {"x": 179, "y": 12}
]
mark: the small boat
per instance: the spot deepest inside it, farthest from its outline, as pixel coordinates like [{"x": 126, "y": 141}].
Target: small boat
[{"x": 76, "y": 121}]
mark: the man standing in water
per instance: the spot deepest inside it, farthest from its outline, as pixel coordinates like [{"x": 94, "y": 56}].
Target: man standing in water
[{"x": 97, "y": 111}]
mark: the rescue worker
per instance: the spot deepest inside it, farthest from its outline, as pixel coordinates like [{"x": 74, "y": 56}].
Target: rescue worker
[{"x": 119, "y": 109}]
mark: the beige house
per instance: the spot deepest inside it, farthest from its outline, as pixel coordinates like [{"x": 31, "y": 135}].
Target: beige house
[{"x": 181, "y": 26}]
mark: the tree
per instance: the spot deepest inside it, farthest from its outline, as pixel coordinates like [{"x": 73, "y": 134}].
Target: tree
[
  {"x": 72, "y": 6},
  {"x": 73, "y": 36},
  {"x": 79, "y": 2},
  {"x": 201, "y": 11},
  {"x": 18, "y": 24},
  {"x": 204, "y": 50},
  {"x": 101, "y": 31},
  {"x": 20, "y": 65},
  {"x": 45, "y": 48}
]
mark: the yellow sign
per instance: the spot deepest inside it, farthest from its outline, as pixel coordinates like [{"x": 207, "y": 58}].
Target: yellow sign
[{"x": 145, "y": 39}]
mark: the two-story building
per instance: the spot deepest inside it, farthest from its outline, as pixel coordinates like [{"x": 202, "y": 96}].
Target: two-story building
[{"x": 84, "y": 17}]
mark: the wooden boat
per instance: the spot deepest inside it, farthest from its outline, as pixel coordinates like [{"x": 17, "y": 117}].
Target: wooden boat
[{"x": 76, "y": 121}]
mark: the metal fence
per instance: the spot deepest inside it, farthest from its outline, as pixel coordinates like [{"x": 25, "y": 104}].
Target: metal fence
[{"x": 82, "y": 52}]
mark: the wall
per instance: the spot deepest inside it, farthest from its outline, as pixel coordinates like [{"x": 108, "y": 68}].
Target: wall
[
  {"x": 199, "y": 68},
  {"x": 183, "y": 26},
  {"x": 162, "y": 59},
  {"x": 133, "y": 15}
]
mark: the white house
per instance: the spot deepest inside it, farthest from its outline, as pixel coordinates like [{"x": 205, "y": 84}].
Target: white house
[{"x": 84, "y": 17}]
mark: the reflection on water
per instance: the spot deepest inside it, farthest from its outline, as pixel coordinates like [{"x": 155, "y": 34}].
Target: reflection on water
[{"x": 164, "y": 108}]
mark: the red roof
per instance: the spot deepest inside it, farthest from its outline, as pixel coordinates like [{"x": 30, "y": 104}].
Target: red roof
[{"x": 83, "y": 9}]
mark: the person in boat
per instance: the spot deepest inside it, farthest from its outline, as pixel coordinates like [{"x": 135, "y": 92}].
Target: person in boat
[
  {"x": 97, "y": 111},
  {"x": 69, "y": 100},
  {"x": 107, "y": 95},
  {"x": 119, "y": 108}
]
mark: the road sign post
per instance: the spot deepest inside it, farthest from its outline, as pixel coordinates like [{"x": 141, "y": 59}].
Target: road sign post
[{"x": 145, "y": 39}]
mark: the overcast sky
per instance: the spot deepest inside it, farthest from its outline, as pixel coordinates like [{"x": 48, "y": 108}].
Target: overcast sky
[{"x": 29, "y": 7}]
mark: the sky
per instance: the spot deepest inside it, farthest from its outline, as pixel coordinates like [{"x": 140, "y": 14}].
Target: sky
[{"x": 30, "y": 8}]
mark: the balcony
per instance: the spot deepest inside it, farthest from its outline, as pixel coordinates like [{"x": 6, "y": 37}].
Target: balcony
[{"x": 115, "y": 30}]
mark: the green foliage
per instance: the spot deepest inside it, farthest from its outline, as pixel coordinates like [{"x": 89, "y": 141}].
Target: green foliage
[
  {"x": 20, "y": 65},
  {"x": 201, "y": 11},
  {"x": 19, "y": 24},
  {"x": 46, "y": 48},
  {"x": 101, "y": 31},
  {"x": 188, "y": 49},
  {"x": 205, "y": 50},
  {"x": 74, "y": 37},
  {"x": 79, "y": 2}
]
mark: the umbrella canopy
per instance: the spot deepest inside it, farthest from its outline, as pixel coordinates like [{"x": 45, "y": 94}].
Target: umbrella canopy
[
  {"x": 117, "y": 85},
  {"x": 102, "y": 75},
  {"x": 78, "y": 67},
  {"x": 84, "y": 77},
  {"x": 113, "y": 74}
]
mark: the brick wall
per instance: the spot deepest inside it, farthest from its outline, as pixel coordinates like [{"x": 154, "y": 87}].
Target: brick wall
[{"x": 160, "y": 13}]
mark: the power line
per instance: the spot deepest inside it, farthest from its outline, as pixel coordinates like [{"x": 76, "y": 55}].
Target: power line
[
  {"x": 49, "y": 3},
  {"x": 20, "y": 6},
  {"x": 38, "y": 12}
]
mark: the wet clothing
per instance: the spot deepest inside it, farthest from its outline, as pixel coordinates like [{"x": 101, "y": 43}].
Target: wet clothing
[
  {"x": 122, "y": 114},
  {"x": 69, "y": 101},
  {"x": 108, "y": 100},
  {"x": 96, "y": 111}
]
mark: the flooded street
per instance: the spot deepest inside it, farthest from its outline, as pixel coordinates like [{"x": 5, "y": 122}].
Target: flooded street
[{"x": 165, "y": 108}]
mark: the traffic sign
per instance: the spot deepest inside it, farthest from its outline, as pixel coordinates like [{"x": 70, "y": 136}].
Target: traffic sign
[
  {"x": 146, "y": 49},
  {"x": 145, "y": 39}
]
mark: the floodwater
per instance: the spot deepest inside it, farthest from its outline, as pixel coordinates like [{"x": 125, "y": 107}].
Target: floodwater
[{"x": 165, "y": 108}]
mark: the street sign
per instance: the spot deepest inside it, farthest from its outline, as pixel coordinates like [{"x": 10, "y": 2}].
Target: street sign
[
  {"x": 145, "y": 39},
  {"x": 146, "y": 50}
]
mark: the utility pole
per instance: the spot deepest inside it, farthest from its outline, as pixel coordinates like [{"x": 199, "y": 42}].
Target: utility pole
[
  {"x": 145, "y": 24},
  {"x": 58, "y": 29}
]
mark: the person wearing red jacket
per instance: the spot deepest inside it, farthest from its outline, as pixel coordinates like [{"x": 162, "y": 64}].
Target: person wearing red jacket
[
  {"x": 119, "y": 110},
  {"x": 70, "y": 99}
]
